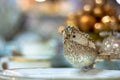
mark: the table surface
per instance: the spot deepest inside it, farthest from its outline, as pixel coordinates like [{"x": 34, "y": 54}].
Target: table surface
[{"x": 59, "y": 74}]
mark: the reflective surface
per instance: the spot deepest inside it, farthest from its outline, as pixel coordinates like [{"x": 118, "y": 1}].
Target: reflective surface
[{"x": 58, "y": 74}]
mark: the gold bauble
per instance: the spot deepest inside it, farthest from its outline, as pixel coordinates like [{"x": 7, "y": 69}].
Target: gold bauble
[
  {"x": 85, "y": 28},
  {"x": 86, "y": 22},
  {"x": 98, "y": 27},
  {"x": 98, "y": 11},
  {"x": 87, "y": 8},
  {"x": 87, "y": 19},
  {"x": 100, "y": 2},
  {"x": 109, "y": 10},
  {"x": 106, "y": 19},
  {"x": 110, "y": 21}
]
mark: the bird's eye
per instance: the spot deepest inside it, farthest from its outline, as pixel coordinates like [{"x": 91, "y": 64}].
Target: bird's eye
[{"x": 74, "y": 36}]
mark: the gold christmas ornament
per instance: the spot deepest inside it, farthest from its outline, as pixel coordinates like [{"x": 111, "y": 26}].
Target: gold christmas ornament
[
  {"x": 99, "y": 2},
  {"x": 106, "y": 19},
  {"x": 87, "y": 8},
  {"x": 95, "y": 18},
  {"x": 86, "y": 23},
  {"x": 109, "y": 10},
  {"x": 98, "y": 12},
  {"x": 98, "y": 27}
]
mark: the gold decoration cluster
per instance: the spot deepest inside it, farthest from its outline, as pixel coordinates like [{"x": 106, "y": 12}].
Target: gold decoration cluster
[{"x": 95, "y": 18}]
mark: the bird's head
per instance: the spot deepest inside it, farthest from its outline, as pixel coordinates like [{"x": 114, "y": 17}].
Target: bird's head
[{"x": 74, "y": 34}]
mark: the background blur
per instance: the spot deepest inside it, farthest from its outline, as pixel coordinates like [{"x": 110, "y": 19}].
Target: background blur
[{"x": 28, "y": 28}]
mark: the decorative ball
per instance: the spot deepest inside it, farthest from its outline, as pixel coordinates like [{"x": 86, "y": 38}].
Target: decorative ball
[
  {"x": 98, "y": 27},
  {"x": 109, "y": 10},
  {"x": 86, "y": 23},
  {"x": 111, "y": 44},
  {"x": 98, "y": 12}
]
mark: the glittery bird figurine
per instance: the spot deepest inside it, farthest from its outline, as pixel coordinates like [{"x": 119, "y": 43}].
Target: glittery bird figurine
[{"x": 79, "y": 49}]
